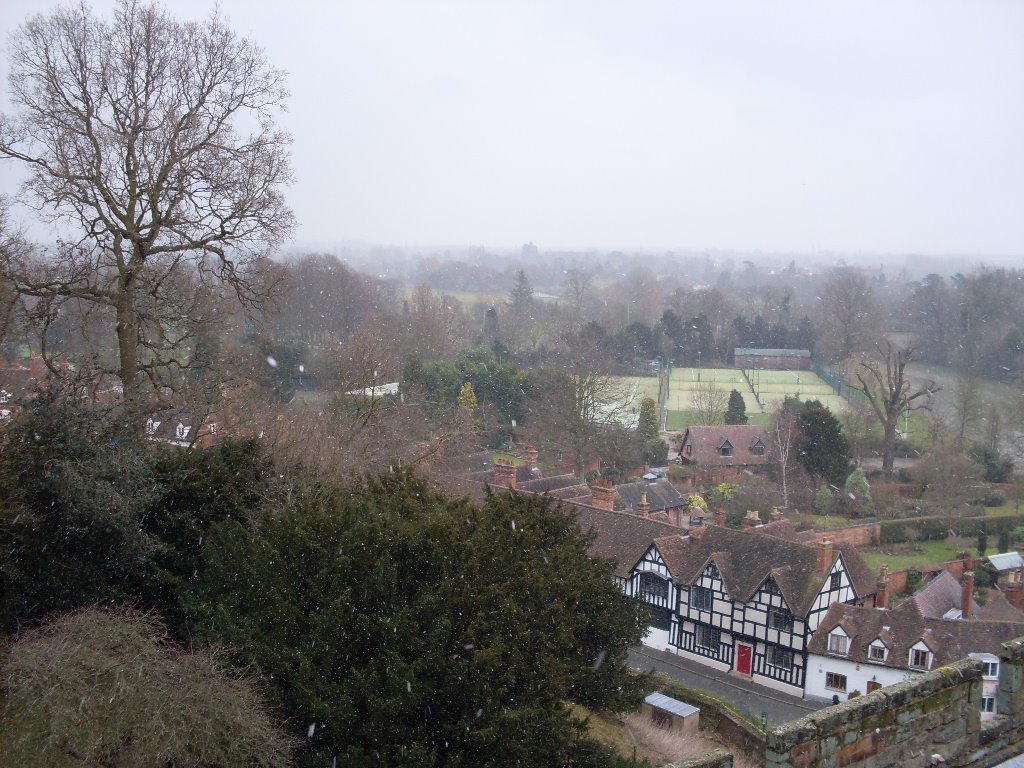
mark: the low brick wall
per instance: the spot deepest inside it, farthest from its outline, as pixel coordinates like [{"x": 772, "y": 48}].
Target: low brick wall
[{"x": 858, "y": 535}]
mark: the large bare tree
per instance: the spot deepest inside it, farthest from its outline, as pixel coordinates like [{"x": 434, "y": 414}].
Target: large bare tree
[
  {"x": 709, "y": 403},
  {"x": 883, "y": 380},
  {"x": 848, "y": 314},
  {"x": 154, "y": 141}
]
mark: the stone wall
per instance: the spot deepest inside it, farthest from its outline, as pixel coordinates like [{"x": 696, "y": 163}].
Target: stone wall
[
  {"x": 903, "y": 725},
  {"x": 717, "y": 759},
  {"x": 899, "y": 725}
]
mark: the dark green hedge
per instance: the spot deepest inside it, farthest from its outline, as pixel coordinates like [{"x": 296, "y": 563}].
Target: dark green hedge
[{"x": 938, "y": 528}]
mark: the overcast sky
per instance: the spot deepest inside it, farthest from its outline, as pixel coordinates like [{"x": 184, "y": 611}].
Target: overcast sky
[{"x": 779, "y": 126}]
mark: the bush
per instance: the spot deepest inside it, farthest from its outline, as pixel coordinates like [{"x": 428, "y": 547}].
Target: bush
[
  {"x": 892, "y": 533},
  {"x": 994, "y": 497}
]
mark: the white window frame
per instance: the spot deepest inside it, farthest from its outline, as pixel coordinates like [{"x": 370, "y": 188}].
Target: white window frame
[
  {"x": 838, "y": 643},
  {"x": 927, "y": 655},
  {"x": 877, "y": 652},
  {"x": 988, "y": 703}
]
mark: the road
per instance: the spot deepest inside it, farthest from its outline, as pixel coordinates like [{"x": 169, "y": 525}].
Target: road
[{"x": 744, "y": 695}]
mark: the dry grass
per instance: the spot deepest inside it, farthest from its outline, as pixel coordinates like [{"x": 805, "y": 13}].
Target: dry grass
[
  {"x": 661, "y": 746},
  {"x": 652, "y": 744}
]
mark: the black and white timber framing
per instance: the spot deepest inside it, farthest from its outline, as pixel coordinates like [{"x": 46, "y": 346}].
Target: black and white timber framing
[{"x": 755, "y": 630}]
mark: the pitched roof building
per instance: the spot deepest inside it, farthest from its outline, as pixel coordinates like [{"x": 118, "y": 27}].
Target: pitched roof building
[{"x": 734, "y": 445}]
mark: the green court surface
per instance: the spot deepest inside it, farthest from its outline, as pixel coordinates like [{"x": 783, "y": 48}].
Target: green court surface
[{"x": 764, "y": 389}]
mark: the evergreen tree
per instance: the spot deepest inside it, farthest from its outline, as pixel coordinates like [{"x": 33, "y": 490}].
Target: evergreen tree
[
  {"x": 468, "y": 406},
  {"x": 74, "y": 495},
  {"x": 736, "y": 412},
  {"x": 823, "y": 448},
  {"x": 413, "y": 630},
  {"x": 655, "y": 449},
  {"x": 521, "y": 296},
  {"x": 982, "y": 542},
  {"x": 857, "y": 492}
]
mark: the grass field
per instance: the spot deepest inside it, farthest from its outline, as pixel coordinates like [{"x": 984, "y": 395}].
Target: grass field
[
  {"x": 914, "y": 555},
  {"x": 765, "y": 389}
]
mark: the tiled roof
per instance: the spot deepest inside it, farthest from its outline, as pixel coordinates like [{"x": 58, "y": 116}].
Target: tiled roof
[
  {"x": 661, "y": 495},
  {"x": 746, "y": 558},
  {"x": 621, "y": 536},
  {"x": 707, "y": 442},
  {"x": 903, "y": 627},
  {"x": 941, "y": 595},
  {"x": 997, "y": 608}
]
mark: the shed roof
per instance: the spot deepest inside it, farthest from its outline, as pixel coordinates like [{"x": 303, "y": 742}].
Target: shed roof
[
  {"x": 1006, "y": 561},
  {"x": 668, "y": 704}
]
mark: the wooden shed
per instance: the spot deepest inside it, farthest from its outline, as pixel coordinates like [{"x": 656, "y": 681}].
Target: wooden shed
[{"x": 672, "y": 714}]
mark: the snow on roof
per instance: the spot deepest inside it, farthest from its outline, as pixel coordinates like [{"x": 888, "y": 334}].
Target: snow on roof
[
  {"x": 1006, "y": 561},
  {"x": 668, "y": 704}
]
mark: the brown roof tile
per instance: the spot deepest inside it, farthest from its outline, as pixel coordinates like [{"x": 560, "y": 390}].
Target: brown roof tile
[
  {"x": 621, "y": 536},
  {"x": 703, "y": 444},
  {"x": 746, "y": 558},
  {"x": 903, "y": 627}
]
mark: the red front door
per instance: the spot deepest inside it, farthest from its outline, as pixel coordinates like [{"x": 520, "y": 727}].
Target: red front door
[{"x": 744, "y": 656}]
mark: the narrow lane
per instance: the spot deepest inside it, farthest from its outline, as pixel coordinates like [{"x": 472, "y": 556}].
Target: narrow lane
[{"x": 746, "y": 696}]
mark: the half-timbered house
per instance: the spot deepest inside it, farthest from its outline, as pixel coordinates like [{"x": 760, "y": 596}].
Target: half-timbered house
[{"x": 745, "y": 602}]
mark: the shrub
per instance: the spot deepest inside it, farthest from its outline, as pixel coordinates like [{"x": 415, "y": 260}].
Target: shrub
[{"x": 994, "y": 497}]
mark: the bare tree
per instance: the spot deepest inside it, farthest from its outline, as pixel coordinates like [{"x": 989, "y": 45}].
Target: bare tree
[
  {"x": 710, "y": 402},
  {"x": 784, "y": 434},
  {"x": 967, "y": 403},
  {"x": 882, "y": 379},
  {"x": 848, "y": 316},
  {"x": 155, "y": 140},
  {"x": 577, "y": 292}
]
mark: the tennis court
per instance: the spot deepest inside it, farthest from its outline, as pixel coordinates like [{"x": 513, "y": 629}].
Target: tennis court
[{"x": 760, "y": 393}]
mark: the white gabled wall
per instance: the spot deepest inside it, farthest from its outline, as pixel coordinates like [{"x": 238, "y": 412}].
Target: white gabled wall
[{"x": 858, "y": 674}]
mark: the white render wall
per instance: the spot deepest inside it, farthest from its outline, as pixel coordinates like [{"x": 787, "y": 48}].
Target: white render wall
[{"x": 857, "y": 676}]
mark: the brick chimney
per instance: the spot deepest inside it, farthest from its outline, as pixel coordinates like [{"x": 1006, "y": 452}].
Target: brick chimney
[
  {"x": 882, "y": 595},
  {"x": 1014, "y": 590},
  {"x": 645, "y": 506},
  {"x": 752, "y": 519},
  {"x": 505, "y": 475},
  {"x": 531, "y": 456},
  {"x": 720, "y": 516},
  {"x": 966, "y": 595},
  {"x": 825, "y": 556},
  {"x": 603, "y": 495}
]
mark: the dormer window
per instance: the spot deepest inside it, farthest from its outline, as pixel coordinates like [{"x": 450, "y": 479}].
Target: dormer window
[
  {"x": 152, "y": 426},
  {"x": 213, "y": 427},
  {"x": 688, "y": 449},
  {"x": 757, "y": 448},
  {"x": 725, "y": 449},
  {"x": 877, "y": 651},
  {"x": 182, "y": 431},
  {"x": 5, "y": 414},
  {"x": 920, "y": 658},
  {"x": 5, "y": 397},
  {"x": 838, "y": 642}
]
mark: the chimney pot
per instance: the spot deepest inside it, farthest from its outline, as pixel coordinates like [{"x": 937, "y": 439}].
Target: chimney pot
[{"x": 645, "y": 507}]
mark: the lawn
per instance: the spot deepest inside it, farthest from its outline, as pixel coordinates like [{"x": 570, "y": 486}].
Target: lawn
[
  {"x": 680, "y": 420},
  {"x": 914, "y": 554}
]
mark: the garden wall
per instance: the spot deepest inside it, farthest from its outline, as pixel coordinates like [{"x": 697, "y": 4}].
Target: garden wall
[{"x": 905, "y": 724}]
